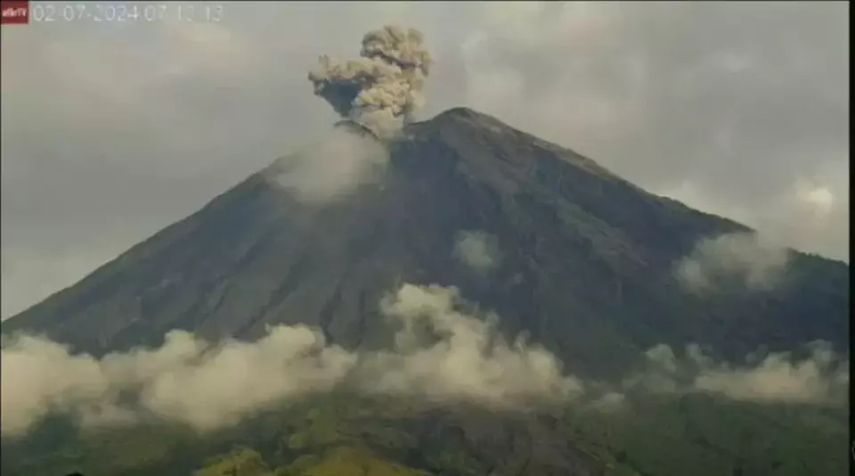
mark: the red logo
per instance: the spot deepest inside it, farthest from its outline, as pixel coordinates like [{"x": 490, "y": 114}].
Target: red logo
[{"x": 15, "y": 12}]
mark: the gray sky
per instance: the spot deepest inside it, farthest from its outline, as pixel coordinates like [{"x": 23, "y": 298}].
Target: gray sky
[{"x": 111, "y": 131}]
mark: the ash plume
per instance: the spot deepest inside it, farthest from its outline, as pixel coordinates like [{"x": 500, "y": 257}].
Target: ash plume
[{"x": 381, "y": 89}]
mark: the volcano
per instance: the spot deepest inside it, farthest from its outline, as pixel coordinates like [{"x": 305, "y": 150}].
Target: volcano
[{"x": 584, "y": 260}]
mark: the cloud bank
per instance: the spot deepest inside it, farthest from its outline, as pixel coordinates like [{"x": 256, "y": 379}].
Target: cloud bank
[
  {"x": 814, "y": 375},
  {"x": 445, "y": 350},
  {"x": 186, "y": 379},
  {"x": 818, "y": 378},
  {"x": 442, "y": 352},
  {"x": 741, "y": 258}
]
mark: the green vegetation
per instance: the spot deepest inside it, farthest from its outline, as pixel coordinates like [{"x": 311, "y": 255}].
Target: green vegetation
[
  {"x": 346, "y": 461},
  {"x": 344, "y": 435},
  {"x": 700, "y": 435},
  {"x": 242, "y": 462}
]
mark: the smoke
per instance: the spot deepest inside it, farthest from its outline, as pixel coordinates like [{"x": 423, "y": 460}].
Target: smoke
[
  {"x": 378, "y": 92},
  {"x": 818, "y": 377},
  {"x": 441, "y": 352},
  {"x": 478, "y": 250},
  {"x": 332, "y": 168},
  {"x": 740, "y": 258},
  {"x": 381, "y": 89}
]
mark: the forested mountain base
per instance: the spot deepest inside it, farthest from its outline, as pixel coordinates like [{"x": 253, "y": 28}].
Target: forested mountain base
[{"x": 344, "y": 435}]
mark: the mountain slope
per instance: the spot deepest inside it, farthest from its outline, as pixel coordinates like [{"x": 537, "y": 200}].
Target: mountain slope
[
  {"x": 662, "y": 436},
  {"x": 586, "y": 263}
]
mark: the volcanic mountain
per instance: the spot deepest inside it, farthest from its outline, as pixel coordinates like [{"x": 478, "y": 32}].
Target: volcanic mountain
[{"x": 584, "y": 260}]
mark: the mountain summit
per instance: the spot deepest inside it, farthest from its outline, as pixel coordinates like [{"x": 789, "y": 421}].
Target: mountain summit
[{"x": 560, "y": 248}]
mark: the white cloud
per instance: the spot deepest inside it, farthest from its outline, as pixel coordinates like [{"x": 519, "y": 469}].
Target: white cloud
[
  {"x": 662, "y": 356},
  {"x": 797, "y": 215},
  {"x": 186, "y": 379},
  {"x": 818, "y": 377},
  {"x": 238, "y": 378},
  {"x": 610, "y": 402},
  {"x": 39, "y": 375},
  {"x": 442, "y": 352},
  {"x": 478, "y": 250},
  {"x": 820, "y": 199},
  {"x": 741, "y": 258},
  {"x": 774, "y": 379}
]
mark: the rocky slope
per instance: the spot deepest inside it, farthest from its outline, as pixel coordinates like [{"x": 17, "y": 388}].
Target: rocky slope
[{"x": 583, "y": 261}]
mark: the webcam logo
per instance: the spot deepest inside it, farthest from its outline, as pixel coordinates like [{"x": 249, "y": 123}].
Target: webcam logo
[{"x": 15, "y": 12}]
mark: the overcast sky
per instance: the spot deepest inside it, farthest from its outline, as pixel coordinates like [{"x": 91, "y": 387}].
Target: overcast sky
[{"x": 111, "y": 131}]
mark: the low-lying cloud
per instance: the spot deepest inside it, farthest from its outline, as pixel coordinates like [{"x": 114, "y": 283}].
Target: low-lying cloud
[
  {"x": 609, "y": 402},
  {"x": 446, "y": 353},
  {"x": 445, "y": 350},
  {"x": 186, "y": 379},
  {"x": 441, "y": 352},
  {"x": 815, "y": 375},
  {"x": 818, "y": 378},
  {"x": 736, "y": 258},
  {"x": 331, "y": 168},
  {"x": 478, "y": 250}
]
